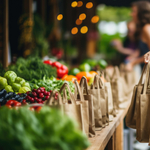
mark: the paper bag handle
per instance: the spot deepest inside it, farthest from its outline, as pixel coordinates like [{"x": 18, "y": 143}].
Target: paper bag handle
[
  {"x": 51, "y": 98},
  {"x": 83, "y": 84},
  {"x": 142, "y": 75},
  {"x": 63, "y": 88},
  {"x": 79, "y": 90},
  {"x": 97, "y": 82},
  {"x": 147, "y": 80}
]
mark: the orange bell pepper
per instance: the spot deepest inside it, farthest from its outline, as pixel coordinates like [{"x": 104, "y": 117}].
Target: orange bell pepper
[
  {"x": 69, "y": 78},
  {"x": 81, "y": 74}
]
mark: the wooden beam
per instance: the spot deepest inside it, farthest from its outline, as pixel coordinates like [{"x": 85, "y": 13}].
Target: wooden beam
[
  {"x": 27, "y": 7},
  {"x": 5, "y": 49}
]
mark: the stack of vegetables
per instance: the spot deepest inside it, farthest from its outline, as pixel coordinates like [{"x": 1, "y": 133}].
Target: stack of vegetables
[
  {"x": 11, "y": 83},
  {"x": 48, "y": 129}
]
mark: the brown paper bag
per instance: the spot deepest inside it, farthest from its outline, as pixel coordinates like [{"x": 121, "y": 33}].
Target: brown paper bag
[
  {"x": 89, "y": 98},
  {"x": 78, "y": 110},
  {"x": 98, "y": 92},
  {"x": 130, "y": 77},
  {"x": 133, "y": 113},
  {"x": 85, "y": 107},
  {"x": 118, "y": 86},
  {"x": 143, "y": 119},
  {"x": 109, "y": 99}
]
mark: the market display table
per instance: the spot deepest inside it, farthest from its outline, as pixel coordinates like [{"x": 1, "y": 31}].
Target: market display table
[{"x": 111, "y": 137}]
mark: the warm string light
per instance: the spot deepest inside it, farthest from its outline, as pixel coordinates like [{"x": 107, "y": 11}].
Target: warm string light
[
  {"x": 89, "y": 5},
  {"x": 82, "y": 16},
  {"x": 74, "y": 4},
  {"x": 80, "y": 3},
  {"x": 78, "y": 22},
  {"x": 74, "y": 30},
  {"x": 60, "y": 17},
  {"x": 95, "y": 19},
  {"x": 84, "y": 29}
]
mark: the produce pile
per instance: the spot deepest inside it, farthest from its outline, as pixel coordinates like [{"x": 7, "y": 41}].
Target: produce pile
[
  {"x": 11, "y": 83},
  {"x": 48, "y": 129},
  {"x": 32, "y": 68}
]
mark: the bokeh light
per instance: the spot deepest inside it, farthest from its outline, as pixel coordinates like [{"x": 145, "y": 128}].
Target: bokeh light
[
  {"x": 74, "y": 4},
  {"x": 84, "y": 29},
  {"x": 95, "y": 19},
  {"x": 82, "y": 16},
  {"x": 89, "y": 5},
  {"x": 74, "y": 30},
  {"x": 80, "y": 3},
  {"x": 60, "y": 17},
  {"x": 78, "y": 22}
]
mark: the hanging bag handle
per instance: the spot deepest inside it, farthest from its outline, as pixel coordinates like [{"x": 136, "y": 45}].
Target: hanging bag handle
[
  {"x": 52, "y": 100},
  {"x": 84, "y": 85},
  {"x": 63, "y": 88},
  {"x": 143, "y": 73},
  {"x": 147, "y": 80},
  {"x": 79, "y": 90},
  {"x": 97, "y": 83}
]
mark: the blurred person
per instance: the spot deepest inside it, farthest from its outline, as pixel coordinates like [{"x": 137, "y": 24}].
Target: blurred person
[
  {"x": 141, "y": 16},
  {"x": 129, "y": 46}
]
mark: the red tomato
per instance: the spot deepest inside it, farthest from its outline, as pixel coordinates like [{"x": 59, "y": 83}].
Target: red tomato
[
  {"x": 56, "y": 64},
  {"x": 10, "y": 102},
  {"x": 13, "y": 103},
  {"x": 49, "y": 62},
  {"x": 17, "y": 103}
]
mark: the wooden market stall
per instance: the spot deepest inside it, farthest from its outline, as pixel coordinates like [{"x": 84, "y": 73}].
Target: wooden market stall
[{"x": 111, "y": 137}]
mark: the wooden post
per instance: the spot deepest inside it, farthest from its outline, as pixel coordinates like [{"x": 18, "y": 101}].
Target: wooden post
[
  {"x": 27, "y": 7},
  {"x": 5, "y": 27},
  {"x": 110, "y": 145},
  {"x": 119, "y": 137}
]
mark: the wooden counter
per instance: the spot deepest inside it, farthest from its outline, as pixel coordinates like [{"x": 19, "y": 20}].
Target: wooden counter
[{"x": 111, "y": 137}]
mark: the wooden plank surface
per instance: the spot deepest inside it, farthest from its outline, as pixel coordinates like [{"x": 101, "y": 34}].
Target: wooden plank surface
[{"x": 102, "y": 137}]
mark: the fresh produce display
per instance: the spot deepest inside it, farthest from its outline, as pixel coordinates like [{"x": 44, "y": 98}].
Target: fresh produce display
[
  {"x": 50, "y": 84},
  {"x": 11, "y": 83},
  {"x": 102, "y": 64},
  {"x": 6, "y": 96},
  {"x": 32, "y": 68},
  {"x": 61, "y": 69},
  {"x": 48, "y": 129},
  {"x": 38, "y": 95}
]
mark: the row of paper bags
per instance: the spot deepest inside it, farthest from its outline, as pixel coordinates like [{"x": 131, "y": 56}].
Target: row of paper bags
[
  {"x": 91, "y": 106},
  {"x": 139, "y": 110}
]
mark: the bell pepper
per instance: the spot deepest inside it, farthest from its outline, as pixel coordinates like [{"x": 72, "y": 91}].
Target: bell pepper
[
  {"x": 49, "y": 62},
  {"x": 19, "y": 80},
  {"x": 16, "y": 87},
  {"x": 3, "y": 83},
  {"x": 24, "y": 90},
  {"x": 26, "y": 84},
  {"x": 10, "y": 76},
  {"x": 8, "y": 88}
]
